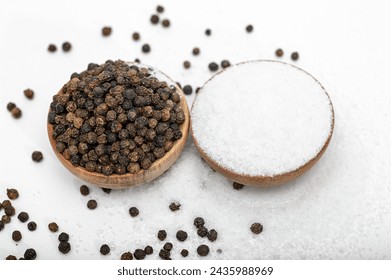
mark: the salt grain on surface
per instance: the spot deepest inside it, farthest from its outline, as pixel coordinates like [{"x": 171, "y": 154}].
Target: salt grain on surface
[{"x": 262, "y": 118}]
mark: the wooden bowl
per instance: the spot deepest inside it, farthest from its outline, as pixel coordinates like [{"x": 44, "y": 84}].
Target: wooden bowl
[
  {"x": 264, "y": 181},
  {"x": 116, "y": 181}
]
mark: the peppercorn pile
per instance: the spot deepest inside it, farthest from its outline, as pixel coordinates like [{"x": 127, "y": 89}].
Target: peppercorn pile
[{"x": 115, "y": 118}]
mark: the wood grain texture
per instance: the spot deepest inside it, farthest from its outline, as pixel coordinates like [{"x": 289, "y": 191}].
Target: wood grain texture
[
  {"x": 265, "y": 181},
  {"x": 116, "y": 181}
]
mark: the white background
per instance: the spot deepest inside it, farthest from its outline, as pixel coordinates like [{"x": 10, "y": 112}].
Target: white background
[{"x": 339, "y": 210}]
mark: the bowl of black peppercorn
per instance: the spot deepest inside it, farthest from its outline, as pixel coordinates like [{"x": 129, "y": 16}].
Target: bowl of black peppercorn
[{"x": 118, "y": 124}]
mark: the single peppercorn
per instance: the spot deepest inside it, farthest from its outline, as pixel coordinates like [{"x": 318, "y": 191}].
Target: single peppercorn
[
  {"x": 37, "y": 156},
  {"x": 29, "y": 93},
  {"x": 16, "y": 113},
  {"x": 256, "y": 228},
  {"x": 186, "y": 64},
  {"x": 181, "y": 235},
  {"x": 52, "y": 48},
  {"x": 6, "y": 219},
  {"x": 187, "y": 89},
  {"x": 196, "y": 51},
  {"x": 66, "y": 46},
  {"x": 237, "y": 186},
  {"x": 146, "y": 48},
  {"x": 11, "y": 258},
  {"x": 64, "y": 247},
  {"x": 106, "y": 31},
  {"x": 249, "y": 28},
  {"x": 164, "y": 254},
  {"x": 63, "y": 237},
  {"x": 148, "y": 250},
  {"x": 166, "y": 23},
  {"x": 9, "y": 210},
  {"x": 23, "y": 217},
  {"x": 154, "y": 19},
  {"x": 92, "y": 204},
  {"x": 6, "y": 203},
  {"x": 213, "y": 66},
  {"x": 12, "y": 194},
  {"x": 202, "y": 231},
  {"x": 160, "y": 9},
  {"x": 32, "y": 226},
  {"x": 161, "y": 235},
  {"x": 295, "y": 56},
  {"x": 212, "y": 235},
  {"x": 199, "y": 222},
  {"x": 136, "y": 36},
  {"x": 139, "y": 254},
  {"x": 104, "y": 249},
  {"x": 84, "y": 190},
  {"x": 174, "y": 206},
  {"x": 10, "y": 106},
  {"x": 208, "y": 32},
  {"x": 225, "y": 64},
  {"x": 127, "y": 256},
  {"x": 16, "y": 235},
  {"x": 279, "y": 52},
  {"x": 105, "y": 190},
  {"x": 203, "y": 250},
  {"x": 133, "y": 211},
  {"x": 53, "y": 227},
  {"x": 30, "y": 254},
  {"x": 184, "y": 253},
  {"x": 168, "y": 246}
]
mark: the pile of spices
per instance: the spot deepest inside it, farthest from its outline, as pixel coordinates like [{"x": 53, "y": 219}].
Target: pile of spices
[{"x": 115, "y": 118}]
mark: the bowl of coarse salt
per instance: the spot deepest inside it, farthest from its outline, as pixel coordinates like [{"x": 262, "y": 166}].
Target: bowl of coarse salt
[{"x": 262, "y": 122}]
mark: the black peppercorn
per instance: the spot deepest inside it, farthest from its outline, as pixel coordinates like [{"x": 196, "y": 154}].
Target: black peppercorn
[
  {"x": 105, "y": 190},
  {"x": 213, "y": 66},
  {"x": 148, "y": 250},
  {"x": 136, "y": 36},
  {"x": 32, "y": 226},
  {"x": 164, "y": 254},
  {"x": 52, "y": 48},
  {"x": 92, "y": 204},
  {"x": 16, "y": 112},
  {"x": 166, "y": 23},
  {"x": 256, "y": 228},
  {"x": 187, "y": 89},
  {"x": 9, "y": 211},
  {"x": 66, "y": 46},
  {"x": 23, "y": 217},
  {"x": 12, "y": 194},
  {"x": 84, "y": 190},
  {"x": 53, "y": 227},
  {"x": 161, "y": 235},
  {"x": 160, "y": 9},
  {"x": 279, "y": 52},
  {"x": 104, "y": 249},
  {"x": 249, "y": 28},
  {"x": 181, "y": 235},
  {"x": 139, "y": 254},
  {"x": 186, "y": 64},
  {"x": 174, "y": 206},
  {"x": 199, "y": 222},
  {"x": 106, "y": 31},
  {"x": 1, "y": 225},
  {"x": 29, "y": 93},
  {"x": 237, "y": 186},
  {"x": 37, "y": 156},
  {"x": 154, "y": 19},
  {"x": 184, "y": 253},
  {"x": 63, "y": 237},
  {"x": 64, "y": 247},
  {"x": 10, "y": 106},
  {"x": 168, "y": 246},
  {"x": 203, "y": 250},
  {"x": 208, "y": 32},
  {"x": 11, "y": 258},
  {"x": 127, "y": 256},
  {"x": 146, "y": 48},
  {"x": 225, "y": 64},
  {"x": 212, "y": 235},
  {"x": 133, "y": 211},
  {"x": 295, "y": 56},
  {"x": 6, "y": 219},
  {"x": 196, "y": 51},
  {"x": 202, "y": 231},
  {"x": 30, "y": 254}
]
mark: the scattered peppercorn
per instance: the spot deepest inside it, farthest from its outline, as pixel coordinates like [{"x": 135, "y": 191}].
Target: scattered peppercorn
[
  {"x": 106, "y": 31},
  {"x": 174, "y": 206},
  {"x": 52, "y": 48},
  {"x": 92, "y": 204},
  {"x": 136, "y": 36},
  {"x": 213, "y": 66},
  {"x": 63, "y": 237},
  {"x": 161, "y": 235},
  {"x": 6, "y": 219},
  {"x": 12, "y": 194},
  {"x": 10, "y": 106},
  {"x": 202, "y": 231},
  {"x": 181, "y": 235},
  {"x": 37, "y": 156},
  {"x": 164, "y": 254},
  {"x": 127, "y": 256},
  {"x": 154, "y": 19},
  {"x": 256, "y": 228},
  {"x": 225, "y": 64},
  {"x": 9, "y": 210},
  {"x": 53, "y": 227},
  {"x": 16, "y": 112},
  {"x": 184, "y": 253},
  {"x": 146, "y": 48},
  {"x": 166, "y": 23},
  {"x": 84, "y": 190},
  {"x": 187, "y": 89},
  {"x": 104, "y": 249},
  {"x": 249, "y": 28},
  {"x": 11, "y": 258},
  {"x": 148, "y": 250},
  {"x": 133, "y": 211},
  {"x": 279, "y": 52},
  {"x": 139, "y": 254},
  {"x": 32, "y": 226},
  {"x": 212, "y": 235},
  {"x": 64, "y": 247},
  {"x": 16, "y": 235},
  {"x": 203, "y": 250},
  {"x": 237, "y": 186},
  {"x": 137, "y": 60},
  {"x": 30, "y": 254},
  {"x": 66, "y": 46},
  {"x": 186, "y": 64},
  {"x": 6, "y": 203},
  {"x": 208, "y": 32},
  {"x": 29, "y": 93},
  {"x": 168, "y": 246},
  {"x": 23, "y": 217},
  {"x": 199, "y": 222},
  {"x": 1, "y": 225},
  {"x": 196, "y": 51},
  {"x": 105, "y": 190},
  {"x": 295, "y": 56},
  {"x": 160, "y": 9}
]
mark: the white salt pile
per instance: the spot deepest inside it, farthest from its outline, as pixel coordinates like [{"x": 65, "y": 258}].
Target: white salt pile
[{"x": 262, "y": 118}]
